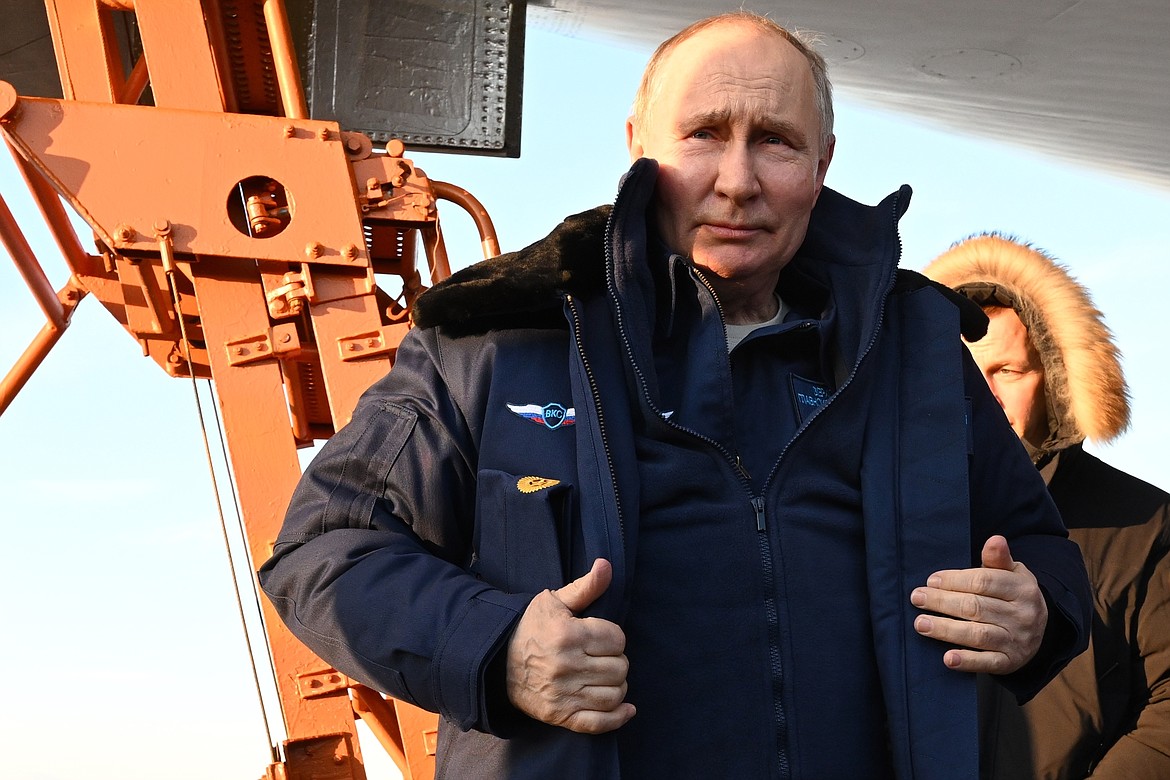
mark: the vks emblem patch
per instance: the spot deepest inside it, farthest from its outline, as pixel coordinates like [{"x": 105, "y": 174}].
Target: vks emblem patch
[{"x": 551, "y": 416}]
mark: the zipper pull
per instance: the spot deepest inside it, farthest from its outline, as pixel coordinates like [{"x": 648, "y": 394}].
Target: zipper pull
[
  {"x": 758, "y": 505},
  {"x": 739, "y": 467}
]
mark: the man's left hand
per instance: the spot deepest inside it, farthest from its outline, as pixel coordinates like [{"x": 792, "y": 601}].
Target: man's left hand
[{"x": 1001, "y": 613}]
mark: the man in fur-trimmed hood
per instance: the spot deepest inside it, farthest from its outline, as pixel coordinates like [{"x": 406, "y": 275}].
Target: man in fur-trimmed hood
[
  {"x": 1052, "y": 363},
  {"x": 1084, "y": 387}
]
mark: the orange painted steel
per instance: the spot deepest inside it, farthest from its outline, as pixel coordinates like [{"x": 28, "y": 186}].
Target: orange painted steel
[
  {"x": 240, "y": 241},
  {"x": 288, "y": 78},
  {"x": 471, "y": 204}
]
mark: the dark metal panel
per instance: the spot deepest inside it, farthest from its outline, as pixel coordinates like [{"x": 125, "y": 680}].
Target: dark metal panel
[
  {"x": 26, "y": 49},
  {"x": 441, "y": 75}
]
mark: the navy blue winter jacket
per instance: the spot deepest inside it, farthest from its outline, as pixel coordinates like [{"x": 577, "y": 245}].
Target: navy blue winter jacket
[{"x": 498, "y": 459}]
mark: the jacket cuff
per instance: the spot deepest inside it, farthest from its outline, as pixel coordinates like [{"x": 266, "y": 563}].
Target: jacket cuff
[
  {"x": 1062, "y": 642},
  {"x": 464, "y": 694}
]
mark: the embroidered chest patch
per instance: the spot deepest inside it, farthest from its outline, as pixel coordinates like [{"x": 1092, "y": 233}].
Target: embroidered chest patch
[
  {"x": 807, "y": 396},
  {"x": 551, "y": 416}
]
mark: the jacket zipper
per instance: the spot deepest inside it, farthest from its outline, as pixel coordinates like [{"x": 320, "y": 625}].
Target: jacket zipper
[
  {"x": 757, "y": 501},
  {"x": 881, "y": 316},
  {"x": 593, "y": 390}
]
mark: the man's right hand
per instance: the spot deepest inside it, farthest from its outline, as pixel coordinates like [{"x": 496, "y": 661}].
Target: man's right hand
[{"x": 569, "y": 671}]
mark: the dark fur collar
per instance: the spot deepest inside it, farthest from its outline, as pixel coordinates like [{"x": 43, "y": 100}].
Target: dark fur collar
[{"x": 523, "y": 288}]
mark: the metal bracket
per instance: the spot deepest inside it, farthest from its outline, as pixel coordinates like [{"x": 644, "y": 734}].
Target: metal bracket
[
  {"x": 289, "y": 297},
  {"x": 279, "y": 341},
  {"x": 376, "y": 343},
  {"x": 431, "y": 741},
  {"x": 312, "y": 685}
]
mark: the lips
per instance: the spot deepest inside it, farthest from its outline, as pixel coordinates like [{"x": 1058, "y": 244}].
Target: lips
[{"x": 731, "y": 231}]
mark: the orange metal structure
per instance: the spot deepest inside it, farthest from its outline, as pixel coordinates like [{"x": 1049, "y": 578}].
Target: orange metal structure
[{"x": 239, "y": 241}]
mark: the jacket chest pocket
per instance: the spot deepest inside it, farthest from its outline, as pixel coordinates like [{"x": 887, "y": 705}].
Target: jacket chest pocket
[{"x": 522, "y": 531}]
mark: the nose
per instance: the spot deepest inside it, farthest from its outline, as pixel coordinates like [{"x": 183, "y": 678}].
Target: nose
[{"x": 738, "y": 175}]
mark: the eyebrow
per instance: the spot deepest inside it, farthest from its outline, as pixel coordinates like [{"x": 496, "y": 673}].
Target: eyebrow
[{"x": 721, "y": 115}]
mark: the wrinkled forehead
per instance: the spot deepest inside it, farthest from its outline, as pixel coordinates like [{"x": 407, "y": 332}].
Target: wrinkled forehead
[{"x": 735, "y": 58}]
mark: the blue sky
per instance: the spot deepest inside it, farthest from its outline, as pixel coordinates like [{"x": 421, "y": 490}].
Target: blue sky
[{"x": 122, "y": 650}]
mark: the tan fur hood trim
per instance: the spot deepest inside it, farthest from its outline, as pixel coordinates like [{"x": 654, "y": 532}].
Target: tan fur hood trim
[{"x": 1086, "y": 389}]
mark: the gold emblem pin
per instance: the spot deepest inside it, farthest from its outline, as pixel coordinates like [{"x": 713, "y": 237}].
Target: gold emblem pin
[{"x": 533, "y": 484}]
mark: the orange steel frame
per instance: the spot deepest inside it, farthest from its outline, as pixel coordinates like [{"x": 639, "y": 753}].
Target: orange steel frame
[{"x": 239, "y": 241}]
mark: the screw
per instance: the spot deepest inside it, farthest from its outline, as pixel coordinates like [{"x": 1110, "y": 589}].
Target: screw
[
  {"x": 353, "y": 347},
  {"x": 371, "y": 342},
  {"x": 323, "y": 133},
  {"x": 162, "y": 227},
  {"x": 239, "y": 350},
  {"x": 350, "y": 251},
  {"x": 285, "y": 338},
  {"x": 123, "y": 233},
  {"x": 313, "y": 249},
  {"x": 289, "y": 131},
  {"x": 261, "y": 347}
]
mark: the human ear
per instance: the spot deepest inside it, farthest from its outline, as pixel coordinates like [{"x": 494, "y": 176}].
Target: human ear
[{"x": 632, "y": 141}]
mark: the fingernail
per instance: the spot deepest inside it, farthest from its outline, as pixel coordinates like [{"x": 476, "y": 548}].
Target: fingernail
[
  {"x": 951, "y": 659},
  {"x": 923, "y": 624},
  {"x": 934, "y": 581},
  {"x": 918, "y": 597}
]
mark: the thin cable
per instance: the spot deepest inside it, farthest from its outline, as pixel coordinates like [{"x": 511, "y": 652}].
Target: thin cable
[
  {"x": 244, "y": 535},
  {"x": 170, "y": 273}
]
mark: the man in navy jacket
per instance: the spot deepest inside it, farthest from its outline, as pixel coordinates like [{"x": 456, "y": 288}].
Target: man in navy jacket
[{"x": 699, "y": 485}]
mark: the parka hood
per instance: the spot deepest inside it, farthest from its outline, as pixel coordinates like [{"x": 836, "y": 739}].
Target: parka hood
[{"x": 1085, "y": 387}]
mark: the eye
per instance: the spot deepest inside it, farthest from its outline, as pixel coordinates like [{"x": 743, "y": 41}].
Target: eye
[{"x": 701, "y": 135}]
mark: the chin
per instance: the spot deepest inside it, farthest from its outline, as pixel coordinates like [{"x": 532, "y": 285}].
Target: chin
[{"x": 729, "y": 265}]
